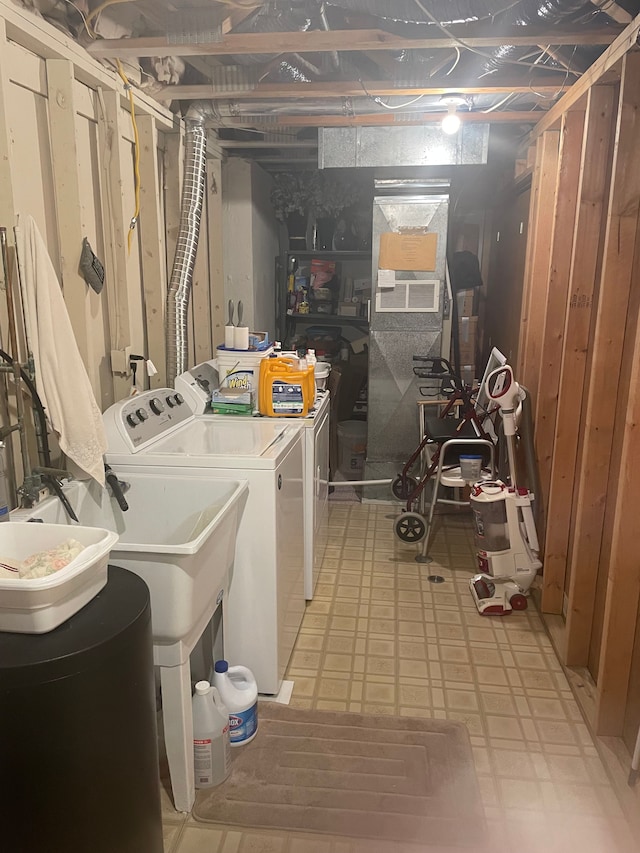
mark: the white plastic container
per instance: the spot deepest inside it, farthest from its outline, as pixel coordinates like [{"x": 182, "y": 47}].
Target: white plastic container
[
  {"x": 211, "y": 746},
  {"x": 352, "y": 444},
  {"x": 239, "y": 692},
  {"x": 470, "y": 467},
  {"x": 321, "y": 373},
  {"x": 238, "y": 369},
  {"x": 38, "y": 605}
]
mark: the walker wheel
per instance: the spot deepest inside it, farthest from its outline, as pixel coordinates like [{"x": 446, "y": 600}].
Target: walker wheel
[
  {"x": 410, "y": 527},
  {"x": 518, "y": 601},
  {"x": 402, "y": 487}
]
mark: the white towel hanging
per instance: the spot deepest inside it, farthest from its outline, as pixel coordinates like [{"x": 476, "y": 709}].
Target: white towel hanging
[{"x": 61, "y": 378}]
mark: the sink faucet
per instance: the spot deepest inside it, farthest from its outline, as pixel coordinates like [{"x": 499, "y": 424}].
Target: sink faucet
[
  {"x": 52, "y": 477},
  {"x": 118, "y": 487}
]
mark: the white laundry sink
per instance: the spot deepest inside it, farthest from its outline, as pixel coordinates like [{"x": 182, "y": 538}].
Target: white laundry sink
[{"x": 179, "y": 535}]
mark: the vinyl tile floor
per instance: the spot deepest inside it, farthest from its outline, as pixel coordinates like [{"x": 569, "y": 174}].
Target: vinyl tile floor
[{"x": 380, "y": 637}]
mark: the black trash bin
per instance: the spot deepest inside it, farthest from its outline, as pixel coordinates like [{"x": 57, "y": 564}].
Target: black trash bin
[{"x": 78, "y": 747}]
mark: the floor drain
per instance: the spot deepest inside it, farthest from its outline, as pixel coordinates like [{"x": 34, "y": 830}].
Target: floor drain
[{"x": 435, "y": 578}]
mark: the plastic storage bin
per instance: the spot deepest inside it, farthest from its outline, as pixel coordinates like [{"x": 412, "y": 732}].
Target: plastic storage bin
[
  {"x": 38, "y": 605},
  {"x": 352, "y": 444}
]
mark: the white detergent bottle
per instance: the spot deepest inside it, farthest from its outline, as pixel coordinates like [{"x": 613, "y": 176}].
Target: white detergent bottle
[
  {"x": 211, "y": 745},
  {"x": 239, "y": 692}
]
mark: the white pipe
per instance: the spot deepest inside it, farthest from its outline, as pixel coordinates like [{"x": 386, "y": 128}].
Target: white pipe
[{"x": 362, "y": 483}]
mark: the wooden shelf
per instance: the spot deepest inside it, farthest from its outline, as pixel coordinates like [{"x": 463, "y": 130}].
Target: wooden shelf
[
  {"x": 331, "y": 256},
  {"x": 330, "y": 319}
]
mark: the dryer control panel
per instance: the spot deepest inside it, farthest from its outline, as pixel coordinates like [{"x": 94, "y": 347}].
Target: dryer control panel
[{"x": 136, "y": 422}]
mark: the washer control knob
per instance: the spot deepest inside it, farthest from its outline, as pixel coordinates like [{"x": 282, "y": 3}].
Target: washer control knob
[
  {"x": 179, "y": 399},
  {"x": 132, "y": 420},
  {"x": 156, "y": 406},
  {"x": 142, "y": 415},
  {"x": 170, "y": 402}
]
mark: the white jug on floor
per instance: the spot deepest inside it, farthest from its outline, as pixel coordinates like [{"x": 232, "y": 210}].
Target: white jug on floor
[
  {"x": 239, "y": 692},
  {"x": 212, "y": 758}
]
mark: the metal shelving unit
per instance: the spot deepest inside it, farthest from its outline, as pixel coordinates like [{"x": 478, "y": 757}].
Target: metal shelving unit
[{"x": 287, "y": 323}]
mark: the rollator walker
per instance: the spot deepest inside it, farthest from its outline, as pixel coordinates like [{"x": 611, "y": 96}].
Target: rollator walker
[{"x": 445, "y": 439}]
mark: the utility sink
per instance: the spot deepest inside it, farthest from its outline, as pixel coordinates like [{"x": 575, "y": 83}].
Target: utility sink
[{"x": 179, "y": 535}]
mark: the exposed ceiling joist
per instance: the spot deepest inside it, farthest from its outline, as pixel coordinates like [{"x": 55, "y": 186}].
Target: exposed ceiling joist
[
  {"x": 614, "y": 10},
  {"x": 626, "y": 41},
  {"x": 384, "y": 119},
  {"x": 350, "y": 40},
  {"x": 517, "y": 82}
]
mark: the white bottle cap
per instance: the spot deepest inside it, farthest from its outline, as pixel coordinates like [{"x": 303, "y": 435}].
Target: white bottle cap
[{"x": 202, "y": 688}]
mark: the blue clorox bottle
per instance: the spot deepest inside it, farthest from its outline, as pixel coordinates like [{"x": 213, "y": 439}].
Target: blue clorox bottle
[{"x": 239, "y": 692}]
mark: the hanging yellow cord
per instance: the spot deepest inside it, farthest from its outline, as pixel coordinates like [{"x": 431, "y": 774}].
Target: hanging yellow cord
[{"x": 136, "y": 158}]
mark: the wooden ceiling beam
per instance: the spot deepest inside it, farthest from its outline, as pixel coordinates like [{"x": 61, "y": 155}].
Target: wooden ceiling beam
[
  {"x": 614, "y": 10},
  {"x": 318, "y": 41},
  {"x": 383, "y": 119},
  {"x": 626, "y": 41},
  {"x": 349, "y": 89}
]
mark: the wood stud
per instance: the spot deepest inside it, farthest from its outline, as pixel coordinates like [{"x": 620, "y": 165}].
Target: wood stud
[
  {"x": 587, "y": 224},
  {"x": 537, "y": 273},
  {"x": 154, "y": 276},
  {"x": 64, "y": 157},
  {"x": 602, "y": 395},
  {"x": 549, "y": 358}
]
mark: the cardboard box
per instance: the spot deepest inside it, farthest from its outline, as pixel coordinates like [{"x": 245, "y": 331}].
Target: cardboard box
[
  {"x": 468, "y": 330},
  {"x": 467, "y": 338},
  {"x": 465, "y": 303}
]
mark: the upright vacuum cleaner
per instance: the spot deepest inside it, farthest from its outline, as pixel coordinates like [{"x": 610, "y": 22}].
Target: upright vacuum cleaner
[{"x": 505, "y": 530}]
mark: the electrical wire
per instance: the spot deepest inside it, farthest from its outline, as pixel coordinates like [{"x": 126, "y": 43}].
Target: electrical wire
[
  {"x": 457, "y": 60},
  {"x": 85, "y": 20},
  {"x": 475, "y": 50},
  {"x": 564, "y": 82},
  {"x": 377, "y": 100},
  {"x": 94, "y": 14},
  {"x": 136, "y": 159},
  {"x": 499, "y": 104}
]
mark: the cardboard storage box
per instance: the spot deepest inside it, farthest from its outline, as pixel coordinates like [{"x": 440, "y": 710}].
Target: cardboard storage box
[
  {"x": 468, "y": 330},
  {"x": 467, "y": 337},
  {"x": 465, "y": 303}
]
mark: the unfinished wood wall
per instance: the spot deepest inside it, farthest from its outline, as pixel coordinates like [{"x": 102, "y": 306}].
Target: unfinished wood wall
[
  {"x": 579, "y": 355},
  {"x": 67, "y": 158}
]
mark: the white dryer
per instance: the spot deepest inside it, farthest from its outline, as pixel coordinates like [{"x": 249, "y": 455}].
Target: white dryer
[
  {"x": 266, "y": 596},
  {"x": 196, "y": 384}
]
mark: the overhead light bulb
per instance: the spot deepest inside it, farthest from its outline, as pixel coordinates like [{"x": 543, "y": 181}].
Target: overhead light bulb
[{"x": 451, "y": 122}]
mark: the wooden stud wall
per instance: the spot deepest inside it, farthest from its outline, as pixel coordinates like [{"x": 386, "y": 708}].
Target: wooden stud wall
[
  {"x": 587, "y": 221},
  {"x": 78, "y": 128},
  {"x": 579, "y": 355},
  {"x": 552, "y": 314},
  {"x": 536, "y": 286}
]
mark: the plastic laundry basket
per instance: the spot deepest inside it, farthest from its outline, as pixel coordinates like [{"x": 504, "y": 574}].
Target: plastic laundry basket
[{"x": 352, "y": 445}]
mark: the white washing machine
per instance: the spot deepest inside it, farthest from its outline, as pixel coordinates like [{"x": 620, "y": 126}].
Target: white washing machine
[
  {"x": 266, "y": 600},
  {"x": 195, "y": 386}
]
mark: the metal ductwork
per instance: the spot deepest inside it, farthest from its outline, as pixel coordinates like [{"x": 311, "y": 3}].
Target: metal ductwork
[
  {"x": 179, "y": 291},
  {"x": 292, "y": 15},
  {"x": 446, "y": 11}
]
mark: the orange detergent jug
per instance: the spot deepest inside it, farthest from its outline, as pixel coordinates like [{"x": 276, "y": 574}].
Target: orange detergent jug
[{"x": 285, "y": 389}]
